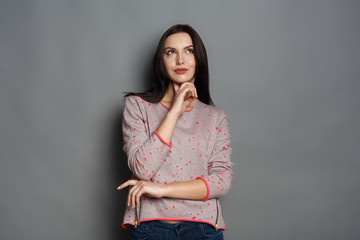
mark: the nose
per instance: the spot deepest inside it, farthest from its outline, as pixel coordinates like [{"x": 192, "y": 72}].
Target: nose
[{"x": 180, "y": 59}]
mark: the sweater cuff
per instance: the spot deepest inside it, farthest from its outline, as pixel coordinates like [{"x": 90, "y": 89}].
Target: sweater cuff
[
  {"x": 168, "y": 144},
  {"x": 207, "y": 187}
]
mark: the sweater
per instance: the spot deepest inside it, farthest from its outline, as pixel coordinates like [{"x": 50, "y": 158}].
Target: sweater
[{"x": 199, "y": 149}]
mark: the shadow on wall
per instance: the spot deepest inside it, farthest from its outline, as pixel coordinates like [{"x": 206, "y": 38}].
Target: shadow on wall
[
  {"x": 119, "y": 173},
  {"x": 119, "y": 170}
]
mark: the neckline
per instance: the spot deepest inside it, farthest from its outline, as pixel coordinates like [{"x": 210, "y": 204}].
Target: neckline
[{"x": 189, "y": 110}]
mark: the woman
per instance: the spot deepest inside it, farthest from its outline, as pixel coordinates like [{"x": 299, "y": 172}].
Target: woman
[{"x": 178, "y": 146}]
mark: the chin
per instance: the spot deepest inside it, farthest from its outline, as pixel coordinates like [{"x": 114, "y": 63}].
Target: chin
[{"x": 181, "y": 81}]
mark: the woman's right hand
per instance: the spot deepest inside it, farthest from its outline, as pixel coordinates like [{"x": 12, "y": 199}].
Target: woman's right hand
[{"x": 183, "y": 96}]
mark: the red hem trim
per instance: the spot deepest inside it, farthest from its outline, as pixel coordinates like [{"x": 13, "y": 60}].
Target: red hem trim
[
  {"x": 207, "y": 186},
  {"x": 157, "y": 134},
  {"x": 124, "y": 225}
]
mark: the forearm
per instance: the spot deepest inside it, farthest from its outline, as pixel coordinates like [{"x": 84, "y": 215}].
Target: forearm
[
  {"x": 145, "y": 155},
  {"x": 167, "y": 126},
  {"x": 192, "y": 190}
]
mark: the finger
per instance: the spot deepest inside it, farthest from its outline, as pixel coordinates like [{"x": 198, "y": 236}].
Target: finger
[
  {"x": 127, "y": 183},
  {"x": 135, "y": 195},
  {"x": 188, "y": 86},
  {"x": 190, "y": 92},
  {"x": 139, "y": 194},
  {"x": 195, "y": 94},
  {"x": 130, "y": 195},
  {"x": 195, "y": 91},
  {"x": 185, "y": 90},
  {"x": 189, "y": 100},
  {"x": 132, "y": 189},
  {"x": 185, "y": 84},
  {"x": 193, "y": 88}
]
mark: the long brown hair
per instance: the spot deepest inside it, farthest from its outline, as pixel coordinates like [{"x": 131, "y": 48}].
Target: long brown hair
[{"x": 161, "y": 80}]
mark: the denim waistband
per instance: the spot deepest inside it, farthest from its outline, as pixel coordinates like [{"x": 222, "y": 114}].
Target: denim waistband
[{"x": 183, "y": 225}]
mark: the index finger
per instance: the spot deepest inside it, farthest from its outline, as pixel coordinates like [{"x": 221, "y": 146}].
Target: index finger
[
  {"x": 187, "y": 84},
  {"x": 127, "y": 183}
]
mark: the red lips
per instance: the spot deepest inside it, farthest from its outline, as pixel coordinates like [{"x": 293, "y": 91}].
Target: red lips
[{"x": 181, "y": 70}]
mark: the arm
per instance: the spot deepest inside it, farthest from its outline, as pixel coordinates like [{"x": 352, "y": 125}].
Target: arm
[
  {"x": 144, "y": 151},
  {"x": 220, "y": 166},
  {"x": 183, "y": 96},
  {"x": 216, "y": 184},
  {"x": 193, "y": 190}
]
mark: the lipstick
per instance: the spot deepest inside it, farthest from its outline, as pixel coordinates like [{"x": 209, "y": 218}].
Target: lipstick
[{"x": 181, "y": 70}]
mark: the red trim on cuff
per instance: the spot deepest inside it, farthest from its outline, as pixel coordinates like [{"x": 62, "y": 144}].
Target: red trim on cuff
[
  {"x": 207, "y": 186},
  {"x": 157, "y": 134}
]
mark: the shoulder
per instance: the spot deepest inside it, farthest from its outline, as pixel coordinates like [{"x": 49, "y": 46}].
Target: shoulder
[
  {"x": 136, "y": 101},
  {"x": 132, "y": 99},
  {"x": 139, "y": 106},
  {"x": 215, "y": 111},
  {"x": 133, "y": 105}
]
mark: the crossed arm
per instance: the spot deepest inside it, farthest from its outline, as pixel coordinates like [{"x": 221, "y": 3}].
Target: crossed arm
[{"x": 193, "y": 190}]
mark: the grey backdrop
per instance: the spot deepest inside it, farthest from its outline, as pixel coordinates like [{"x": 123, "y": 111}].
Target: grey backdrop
[{"x": 285, "y": 72}]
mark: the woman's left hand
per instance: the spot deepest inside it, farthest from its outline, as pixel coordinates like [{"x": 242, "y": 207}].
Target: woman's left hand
[{"x": 142, "y": 187}]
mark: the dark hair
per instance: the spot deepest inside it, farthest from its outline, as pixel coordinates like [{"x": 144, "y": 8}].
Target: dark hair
[{"x": 161, "y": 80}]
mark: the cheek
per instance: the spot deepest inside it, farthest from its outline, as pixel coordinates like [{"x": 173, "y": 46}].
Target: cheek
[
  {"x": 168, "y": 62},
  {"x": 192, "y": 61}
]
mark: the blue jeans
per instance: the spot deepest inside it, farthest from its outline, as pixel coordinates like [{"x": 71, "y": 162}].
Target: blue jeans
[{"x": 156, "y": 230}]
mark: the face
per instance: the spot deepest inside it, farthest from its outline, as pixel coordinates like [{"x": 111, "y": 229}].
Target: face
[{"x": 179, "y": 58}]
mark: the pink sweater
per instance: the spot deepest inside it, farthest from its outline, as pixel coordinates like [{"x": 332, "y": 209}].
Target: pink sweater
[{"x": 200, "y": 148}]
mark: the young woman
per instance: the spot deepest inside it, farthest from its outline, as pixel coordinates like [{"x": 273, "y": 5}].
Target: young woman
[{"x": 178, "y": 146}]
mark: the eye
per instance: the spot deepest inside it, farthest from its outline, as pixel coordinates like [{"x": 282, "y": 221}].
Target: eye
[
  {"x": 190, "y": 50},
  {"x": 170, "y": 52}
]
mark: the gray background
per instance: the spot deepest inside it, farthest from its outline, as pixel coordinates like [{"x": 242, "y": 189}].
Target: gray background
[{"x": 285, "y": 72}]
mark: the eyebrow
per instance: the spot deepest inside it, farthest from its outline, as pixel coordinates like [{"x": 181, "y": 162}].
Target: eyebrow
[{"x": 174, "y": 48}]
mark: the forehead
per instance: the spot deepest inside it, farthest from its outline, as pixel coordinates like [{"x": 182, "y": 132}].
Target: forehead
[{"x": 178, "y": 40}]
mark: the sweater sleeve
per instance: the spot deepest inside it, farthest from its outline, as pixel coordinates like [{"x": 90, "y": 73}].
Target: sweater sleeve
[
  {"x": 218, "y": 182},
  {"x": 145, "y": 151}
]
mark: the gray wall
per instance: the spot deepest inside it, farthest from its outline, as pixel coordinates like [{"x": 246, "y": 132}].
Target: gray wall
[{"x": 285, "y": 72}]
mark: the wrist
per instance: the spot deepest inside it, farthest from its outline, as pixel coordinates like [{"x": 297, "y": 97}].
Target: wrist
[
  {"x": 166, "y": 190},
  {"x": 173, "y": 114}
]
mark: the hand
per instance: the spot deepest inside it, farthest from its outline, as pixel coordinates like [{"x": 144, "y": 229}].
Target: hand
[
  {"x": 141, "y": 187},
  {"x": 183, "y": 96}
]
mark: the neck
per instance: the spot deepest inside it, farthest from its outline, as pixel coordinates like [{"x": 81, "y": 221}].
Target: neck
[
  {"x": 169, "y": 94},
  {"x": 169, "y": 97}
]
